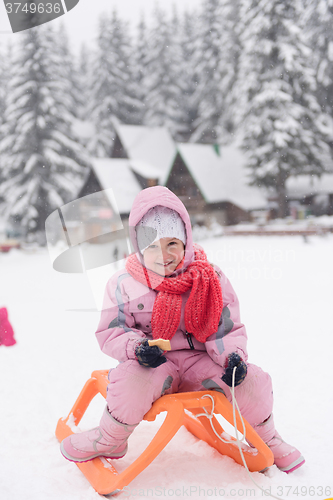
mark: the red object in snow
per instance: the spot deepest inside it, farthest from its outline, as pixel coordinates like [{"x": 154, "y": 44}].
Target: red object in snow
[
  {"x": 7, "y": 245},
  {"x": 6, "y": 329}
]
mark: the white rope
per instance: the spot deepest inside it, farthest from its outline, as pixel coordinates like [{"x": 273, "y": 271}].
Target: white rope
[
  {"x": 238, "y": 441},
  {"x": 210, "y": 418}
]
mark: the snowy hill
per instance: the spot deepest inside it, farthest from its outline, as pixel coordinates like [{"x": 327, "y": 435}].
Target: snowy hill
[{"x": 285, "y": 291}]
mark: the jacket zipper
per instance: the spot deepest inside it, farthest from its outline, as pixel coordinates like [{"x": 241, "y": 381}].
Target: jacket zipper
[{"x": 189, "y": 340}]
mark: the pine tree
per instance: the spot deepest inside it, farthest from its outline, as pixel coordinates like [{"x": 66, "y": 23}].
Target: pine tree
[
  {"x": 230, "y": 117},
  {"x": 188, "y": 105},
  {"x": 284, "y": 131},
  {"x": 318, "y": 26},
  {"x": 43, "y": 165},
  {"x": 5, "y": 72},
  {"x": 163, "y": 74},
  {"x": 215, "y": 68},
  {"x": 99, "y": 111},
  {"x": 83, "y": 77},
  {"x": 69, "y": 70},
  {"x": 4, "y": 78},
  {"x": 140, "y": 62},
  {"x": 2, "y": 85},
  {"x": 112, "y": 88}
]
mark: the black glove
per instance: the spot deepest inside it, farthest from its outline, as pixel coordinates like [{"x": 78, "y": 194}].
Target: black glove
[
  {"x": 149, "y": 355},
  {"x": 234, "y": 360}
]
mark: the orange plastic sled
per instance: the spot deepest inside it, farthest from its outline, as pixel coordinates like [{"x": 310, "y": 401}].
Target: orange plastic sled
[{"x": 104, "y": 477}]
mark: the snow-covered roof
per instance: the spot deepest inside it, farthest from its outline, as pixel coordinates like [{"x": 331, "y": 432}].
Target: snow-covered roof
[
  {"x": 152, "y": 145},
  {"x": 236, "y": 178},
  {"x": 145, "y": 169},
  {"x": 116, "y": 174},
  {"x": 306, "y": 185},
  {"x": 221, "y": 178}
]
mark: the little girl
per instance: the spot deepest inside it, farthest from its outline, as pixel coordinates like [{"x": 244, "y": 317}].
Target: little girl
[{"x": 169, "y": 290}]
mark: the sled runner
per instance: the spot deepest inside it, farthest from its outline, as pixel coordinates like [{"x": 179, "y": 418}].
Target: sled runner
[{"x": 181, "y": 409}]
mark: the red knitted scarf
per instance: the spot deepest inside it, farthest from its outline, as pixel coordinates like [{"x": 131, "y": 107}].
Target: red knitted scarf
[{"x": 203, "y": 307}]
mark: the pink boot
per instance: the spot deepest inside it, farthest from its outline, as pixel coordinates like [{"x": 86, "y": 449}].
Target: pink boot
[
  {"x": 108, "y": 440},
  {"x": 286, "y": 457}
]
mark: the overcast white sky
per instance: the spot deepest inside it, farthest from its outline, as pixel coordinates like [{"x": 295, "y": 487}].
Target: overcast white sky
[{"x": 82, "y": 21}]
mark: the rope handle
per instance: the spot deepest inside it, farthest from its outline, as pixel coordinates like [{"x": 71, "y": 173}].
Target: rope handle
[{"x": 238, "y": 441}]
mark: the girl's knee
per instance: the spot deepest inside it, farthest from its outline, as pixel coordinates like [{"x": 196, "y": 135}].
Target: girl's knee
[
  {"x": 255, "y": 395},
  {"x": 133, "y": 389},
  {"x": 131, "y": 380}
]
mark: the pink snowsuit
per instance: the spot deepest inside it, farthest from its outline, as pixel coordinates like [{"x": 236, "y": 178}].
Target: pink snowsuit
[{"x": 191, "y": 365}]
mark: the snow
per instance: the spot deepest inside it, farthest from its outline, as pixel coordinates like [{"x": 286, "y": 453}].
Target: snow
[
  {"x": 305, "y": 185},
  {"x": 205, "y": 168},
  {"x": 83, "y": 129},
  {"x": 145, "y": 169},
  {"x": 116, "y": 174},
  {"x": 146, "y": 143},
  {"x": 222, "y": 178},
  {"x": 234, "y": 163},
  {"x": 285, "y": 287},
  {"x": 279, "y": 227}
]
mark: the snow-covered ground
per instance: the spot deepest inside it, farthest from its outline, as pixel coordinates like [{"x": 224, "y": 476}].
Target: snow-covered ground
[
  {"x": 316, "y": 225},
  {"x": 285, "y": 287}
]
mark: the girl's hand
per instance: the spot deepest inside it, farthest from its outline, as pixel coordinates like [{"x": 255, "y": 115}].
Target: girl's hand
[
  {"x": 241, "y": 369},
  {"x": 150, "y": 356}
]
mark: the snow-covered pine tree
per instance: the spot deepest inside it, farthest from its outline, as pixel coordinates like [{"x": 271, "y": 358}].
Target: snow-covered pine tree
[
  {"x": 69, "y": 70},
  {"x": 163, "y": 74},
  {"x": 215, "y": 67},
  {"x": 230, "y": 117},
  {"x": 99, "y": 111},
  {"x": 83, "y": 72},
  {"x": 4, "y": 69},
  {"x": 318, "y": 27},
  {"x": 181, "y": 77},
  {"x": 42, "y": 164},
  {"x": 188, "y": 106},
  {"x": 6, "y": 55},
  {"x": 3, "y": 79},
  {"x": 112, "y": 90},
  {"x": 284, "y": 131},
  {"x": 139, "y": 64}
]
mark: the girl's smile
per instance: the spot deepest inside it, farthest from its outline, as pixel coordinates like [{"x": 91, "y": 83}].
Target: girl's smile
[{"x": 164, "y": 255}]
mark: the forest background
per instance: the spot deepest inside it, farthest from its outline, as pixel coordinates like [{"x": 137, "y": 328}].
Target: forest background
[{"x": 261, "y": 70}]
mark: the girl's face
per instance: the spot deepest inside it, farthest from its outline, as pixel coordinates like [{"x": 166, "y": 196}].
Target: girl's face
[{"x": 164, "y": 255}]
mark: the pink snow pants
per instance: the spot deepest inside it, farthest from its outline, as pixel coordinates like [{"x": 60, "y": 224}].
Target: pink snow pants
[{"x": 133, "y": 388}]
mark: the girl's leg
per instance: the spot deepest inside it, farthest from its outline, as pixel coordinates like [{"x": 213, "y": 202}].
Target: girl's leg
[
  {"x": 255, "y": 400},
  {"x": 109, "y": 440},
  {"x": 254, "y": 396},
  {"x": 286, "y": 457},
  {"x": 134, "y": 388},
  {"x": 131, "y": 393}
]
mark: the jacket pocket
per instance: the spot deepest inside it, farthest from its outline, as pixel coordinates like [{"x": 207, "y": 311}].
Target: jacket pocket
[{"x": 141, "y": 309}]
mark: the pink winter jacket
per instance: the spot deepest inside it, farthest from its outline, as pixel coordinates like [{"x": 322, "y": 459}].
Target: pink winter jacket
[{"x": 128, "y": 304}]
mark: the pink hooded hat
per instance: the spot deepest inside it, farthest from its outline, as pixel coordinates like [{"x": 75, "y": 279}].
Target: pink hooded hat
[{"x": 162, "y": 196}]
